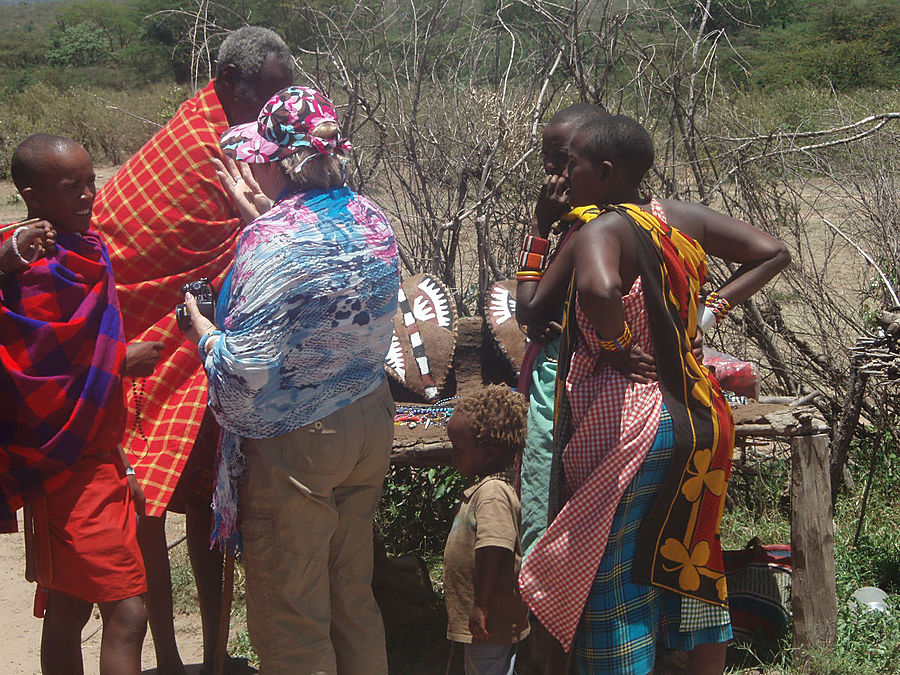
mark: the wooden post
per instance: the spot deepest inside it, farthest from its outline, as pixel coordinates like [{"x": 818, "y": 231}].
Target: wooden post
[{"x": 814, "y": 595}]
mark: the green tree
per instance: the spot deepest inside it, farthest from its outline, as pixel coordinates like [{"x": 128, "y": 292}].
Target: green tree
[
  {"x": 84, "y": 44},
  {"x": 119, "y": 23},
  {"x": 735, "y": 16}
]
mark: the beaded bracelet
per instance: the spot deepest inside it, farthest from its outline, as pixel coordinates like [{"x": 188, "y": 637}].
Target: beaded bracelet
[
  {"x": 534, "y": 253},
  {"x": 15, "y": 246},
  {"x": 528, "y": 275},
  {"x": 619, "y": 344},
  {"x": 201, "y": 346},
  {"x": 718, "y": 305}
]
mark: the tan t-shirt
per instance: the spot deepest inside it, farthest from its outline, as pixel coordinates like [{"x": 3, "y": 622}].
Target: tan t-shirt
[{"x": 489, "y": 515}]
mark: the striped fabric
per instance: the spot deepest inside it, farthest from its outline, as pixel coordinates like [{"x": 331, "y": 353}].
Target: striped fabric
[
  {"x": 618, "y": 631},
  {"x": 168, "y": 221}
]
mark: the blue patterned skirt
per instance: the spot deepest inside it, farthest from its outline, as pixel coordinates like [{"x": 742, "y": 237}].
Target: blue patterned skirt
[{"x": 618, "y": 631}]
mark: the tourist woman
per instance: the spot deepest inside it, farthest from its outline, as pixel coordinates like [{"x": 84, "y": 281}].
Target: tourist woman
[{"x": 296, "y": 378}]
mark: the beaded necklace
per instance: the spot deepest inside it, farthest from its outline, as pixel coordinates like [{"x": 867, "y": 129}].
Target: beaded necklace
[
  {"x": 137, "y": 394},
  {"x": 436, "y": 414}
]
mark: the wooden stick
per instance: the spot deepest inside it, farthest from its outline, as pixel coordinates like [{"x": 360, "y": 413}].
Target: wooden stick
[
  {"x": 24, "y": 223},
  {"x": 221, "y": 655},
  {"x": 30, "y": 564},
  {"x": 873, "y": 465}
]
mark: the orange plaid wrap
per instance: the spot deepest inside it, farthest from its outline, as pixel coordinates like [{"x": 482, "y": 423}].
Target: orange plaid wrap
[{"x": 168, "y": 221}]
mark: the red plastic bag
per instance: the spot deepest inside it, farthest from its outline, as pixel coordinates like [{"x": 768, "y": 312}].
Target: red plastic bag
[{"x": 741, "y": 377}]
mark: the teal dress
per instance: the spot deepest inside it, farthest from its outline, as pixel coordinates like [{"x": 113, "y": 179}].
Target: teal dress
[{"x": 538, "y": 453}]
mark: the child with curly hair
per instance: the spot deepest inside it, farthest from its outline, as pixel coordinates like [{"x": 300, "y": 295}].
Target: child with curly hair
[{"x": 484, "y": 548}]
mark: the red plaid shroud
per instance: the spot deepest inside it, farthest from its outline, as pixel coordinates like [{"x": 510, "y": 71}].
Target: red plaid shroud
[
  {"x": 61, "y": 350},
  {"x": 168, "y": 221}
]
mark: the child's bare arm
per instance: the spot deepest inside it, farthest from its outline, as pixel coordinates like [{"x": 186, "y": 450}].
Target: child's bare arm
[
  {"x": 604, "y": 259},
  {"x": 141, "y": 358},
  {"x": 598, "y": 259},
  {"x": 489, "y": 562},
  {"x": 550, "y": 207}
]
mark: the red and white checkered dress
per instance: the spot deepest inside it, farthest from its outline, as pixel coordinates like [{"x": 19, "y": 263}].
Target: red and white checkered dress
[{"x": 614, "y": 423}]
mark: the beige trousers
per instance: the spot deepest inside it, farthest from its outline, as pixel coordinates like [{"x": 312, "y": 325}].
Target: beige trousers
[{"x": 307, "y": 503}]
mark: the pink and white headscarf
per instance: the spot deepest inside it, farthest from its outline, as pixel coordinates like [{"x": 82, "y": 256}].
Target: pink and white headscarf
[{"x": 284, "y": 127}]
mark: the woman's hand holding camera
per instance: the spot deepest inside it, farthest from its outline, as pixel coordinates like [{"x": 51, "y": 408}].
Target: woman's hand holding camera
[{"x": 200, "y": 325}]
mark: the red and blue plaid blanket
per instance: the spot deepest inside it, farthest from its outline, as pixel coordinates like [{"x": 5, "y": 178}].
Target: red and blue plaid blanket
[{"x": 61, "y": 349}]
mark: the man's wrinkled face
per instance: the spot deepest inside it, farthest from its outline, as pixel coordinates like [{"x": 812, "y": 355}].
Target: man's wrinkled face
[{"x": 248, "y": 98}]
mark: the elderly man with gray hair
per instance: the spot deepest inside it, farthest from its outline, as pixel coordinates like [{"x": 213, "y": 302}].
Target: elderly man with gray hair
[{"x": 168, "y": 222}]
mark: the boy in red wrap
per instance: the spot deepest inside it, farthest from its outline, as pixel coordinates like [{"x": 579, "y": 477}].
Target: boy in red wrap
[{"x": 63, "y": 356}]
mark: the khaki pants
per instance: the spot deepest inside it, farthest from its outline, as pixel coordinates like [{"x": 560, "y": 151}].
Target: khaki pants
[{"x": 306, "y": 507}]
